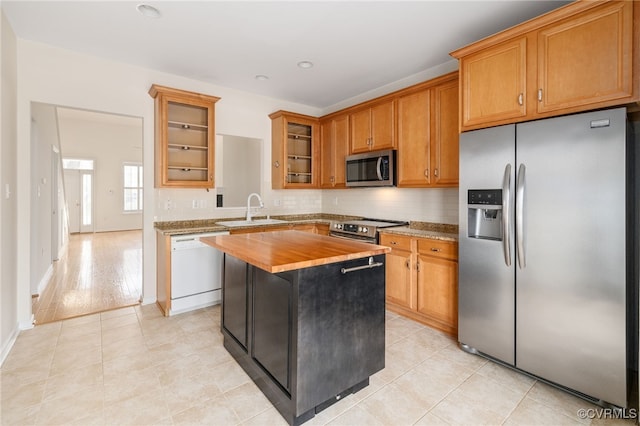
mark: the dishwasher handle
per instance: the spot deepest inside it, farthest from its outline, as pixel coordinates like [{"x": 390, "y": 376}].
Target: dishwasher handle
[{"x": 187, "y": 242}]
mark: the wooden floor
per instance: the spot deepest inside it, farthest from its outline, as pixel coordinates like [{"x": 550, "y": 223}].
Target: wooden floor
[{"x": 97, "y": 272}]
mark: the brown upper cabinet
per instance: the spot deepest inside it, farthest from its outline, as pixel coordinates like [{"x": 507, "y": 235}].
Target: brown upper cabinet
[
  {"x": 184, "y": 138},
  {"x": 427, "y": 126},
  {"x": 372, "y": 127},
  {"x": 294, "y": 150},
  {"x": 334, "y": 147},
  {"x": 579, "y": 57}
]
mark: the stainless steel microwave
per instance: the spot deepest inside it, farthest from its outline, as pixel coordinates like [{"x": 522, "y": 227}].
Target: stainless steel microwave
[{"x": 375, "y": 168}]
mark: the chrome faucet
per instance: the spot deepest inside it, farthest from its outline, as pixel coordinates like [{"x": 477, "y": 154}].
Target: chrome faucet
[{"x": 253, "y": 194}]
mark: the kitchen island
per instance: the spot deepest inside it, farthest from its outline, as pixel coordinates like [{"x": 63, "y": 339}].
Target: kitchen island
[{"x": 303, "y": 314}]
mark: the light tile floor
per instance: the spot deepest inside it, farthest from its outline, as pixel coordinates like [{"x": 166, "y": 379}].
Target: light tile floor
[{"x": 134, "y": 366}]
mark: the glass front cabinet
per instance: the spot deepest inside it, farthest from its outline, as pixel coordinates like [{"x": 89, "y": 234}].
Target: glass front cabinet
[
  {"x": 294, "y": 150},
  {"x": 184, "y": 138}
]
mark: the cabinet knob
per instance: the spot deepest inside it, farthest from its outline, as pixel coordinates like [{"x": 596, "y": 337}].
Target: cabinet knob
[
  {"x": 435, "y": 172},
  {"x": 520, "y": 99},
  {"x": 276, "y": 164},
  {"x": 426, "y": 173},
  {"x": 539, "y": 95},
  {"x": 407, "y": 264}
]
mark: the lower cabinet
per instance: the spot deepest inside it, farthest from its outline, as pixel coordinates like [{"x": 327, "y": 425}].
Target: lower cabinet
[{"x": 422, "y": 280}]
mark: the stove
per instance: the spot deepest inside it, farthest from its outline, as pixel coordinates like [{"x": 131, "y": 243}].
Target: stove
[{"x": 362, "y": 229}]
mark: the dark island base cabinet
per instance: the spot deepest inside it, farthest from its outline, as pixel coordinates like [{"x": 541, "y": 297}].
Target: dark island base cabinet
[{"x": 307, "y": 337}]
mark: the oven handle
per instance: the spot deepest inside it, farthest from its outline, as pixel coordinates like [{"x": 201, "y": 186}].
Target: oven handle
[
  {"x": 353, "y": 238},
  {"x": 370, "y": 265}
]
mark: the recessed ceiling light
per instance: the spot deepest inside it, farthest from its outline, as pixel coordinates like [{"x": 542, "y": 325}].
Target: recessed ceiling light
[
  {"x": 261, "y": 77},
  {"x": 148, "y": 10},
  {"x": 305, "y": 64}
]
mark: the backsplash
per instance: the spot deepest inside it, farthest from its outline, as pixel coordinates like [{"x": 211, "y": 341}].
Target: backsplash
[{"x": 437, "y": 205}]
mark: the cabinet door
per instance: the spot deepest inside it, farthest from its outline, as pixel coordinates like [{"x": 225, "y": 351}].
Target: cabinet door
[
  {"x": 184, "y": 138},
  {"x": 234, "y": 298},
  {"x": 400, "y": 284},
  {"x": 414, "y": 130},
  {"x": 444, "y": 139},
  {"x": 295, "y": 149},
  {"x": 586, "y": 59},
  {"x": 438, "y": 289},
  {"x": 493, "y": 83},
  {"x": 327, "y": 158},
  {"x": 400, "y": 289},
  {"x": 383, "y": 126},
  {"x": 272, "y": 324},
  {"x": 341, "y": 149},
  {"x": 360, "y": 125},
  {"x": 334, "y": 149}
]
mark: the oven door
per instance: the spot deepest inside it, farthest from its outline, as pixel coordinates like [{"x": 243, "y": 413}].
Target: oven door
[{"x": 353, "y": 237}]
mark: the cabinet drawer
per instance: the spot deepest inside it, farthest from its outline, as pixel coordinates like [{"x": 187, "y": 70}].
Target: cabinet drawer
[
  {"x": 401, "y": 242},
  {"x": 438, "y": 248}
]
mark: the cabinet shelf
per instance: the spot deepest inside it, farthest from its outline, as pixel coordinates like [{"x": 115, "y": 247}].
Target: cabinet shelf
[
  {"x": 294, "y": 136},
  {"x": 187, "y": 126},
  {"x": 186, "y": 168},
  {"x": 184, "y": 147}
]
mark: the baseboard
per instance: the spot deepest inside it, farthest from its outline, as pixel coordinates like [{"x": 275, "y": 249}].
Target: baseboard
[
  {"x": 45, "y": 280},
  {"x": 8, "y": 345},
  {"x": 28, "y": 325}
]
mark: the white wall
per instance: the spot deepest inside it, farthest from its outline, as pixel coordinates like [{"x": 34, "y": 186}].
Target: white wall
[
  {"x": 44, "y": 136},
  {"x": 8, "y": 180},
  {"x": 110, "y": 142},
  {"x": 61, "y": 77}
]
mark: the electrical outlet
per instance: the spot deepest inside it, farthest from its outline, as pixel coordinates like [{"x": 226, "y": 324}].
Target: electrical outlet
[
  {"x": 167, "y": 205},
  {"x": 335, "y": 201},
  {"x": 194, "y": 204}
]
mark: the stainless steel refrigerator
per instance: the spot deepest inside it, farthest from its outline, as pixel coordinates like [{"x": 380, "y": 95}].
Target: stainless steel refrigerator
[{"x": 546, "y": 257}]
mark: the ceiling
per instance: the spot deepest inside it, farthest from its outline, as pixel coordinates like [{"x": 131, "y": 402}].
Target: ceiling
[{"x": 355, "y": 46}]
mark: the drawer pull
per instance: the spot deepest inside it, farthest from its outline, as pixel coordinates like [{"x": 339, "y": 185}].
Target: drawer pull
[{"x": 435, "y": 249}]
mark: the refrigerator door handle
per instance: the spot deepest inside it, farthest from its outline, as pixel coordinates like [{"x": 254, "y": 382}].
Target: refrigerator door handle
[
  {"x": 520, "y": 187},
  {"x": 506, "y": 203}
]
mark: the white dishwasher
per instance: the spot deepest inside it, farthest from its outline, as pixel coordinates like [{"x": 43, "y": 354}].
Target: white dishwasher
[{"x": 196, "y": 272}]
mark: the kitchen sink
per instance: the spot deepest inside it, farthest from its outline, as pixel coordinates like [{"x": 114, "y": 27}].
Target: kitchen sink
[{"x": 254, "y": 222}]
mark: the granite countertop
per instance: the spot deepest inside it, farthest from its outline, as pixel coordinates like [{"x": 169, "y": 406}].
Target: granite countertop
[
  {"x": 281, "y": 251},
  {"x": 436, "y": 231},
  {"x": 183, "y": 227}
]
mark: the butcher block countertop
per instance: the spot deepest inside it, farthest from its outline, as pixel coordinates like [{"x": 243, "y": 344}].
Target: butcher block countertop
[{"x": 281, "y": 251}]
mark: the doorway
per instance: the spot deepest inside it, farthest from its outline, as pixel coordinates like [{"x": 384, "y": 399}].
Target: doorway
[
  {"x": 84, "y": 209},
  {"x": 78, "y": 183}
]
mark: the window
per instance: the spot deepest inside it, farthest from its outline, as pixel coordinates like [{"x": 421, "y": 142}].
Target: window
[{"x": 132, "y": 187}]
